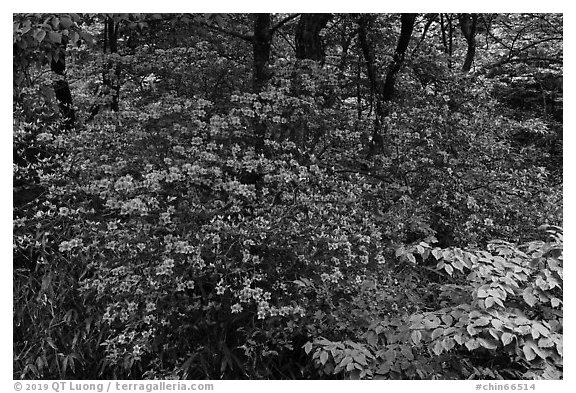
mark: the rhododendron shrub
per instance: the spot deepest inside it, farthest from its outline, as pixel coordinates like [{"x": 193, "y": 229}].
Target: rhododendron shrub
[{"x": 207, "y": 229}]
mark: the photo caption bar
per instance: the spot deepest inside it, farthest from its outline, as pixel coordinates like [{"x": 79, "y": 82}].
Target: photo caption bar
[{"x": 111, "y": 386}]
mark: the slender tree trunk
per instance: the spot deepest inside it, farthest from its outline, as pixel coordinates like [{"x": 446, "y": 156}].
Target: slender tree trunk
[
  {"x": 399, "y": 54},
  {"x": 111, "y": 73},
  {"x": 445, "y": 23},
  {"x": 443, "y": 31},
  {"x": 367, "y": 46},
  {"x": 308, "y": 41},
  {"x": 358, "y": 91},
  {"x": 450, "y": 39},
  {"x": 430, "y": 18},
  {"x": 383, "y": 91},
  {"x": 261, "y": 44},
  {"x": 468, "y": 26},
  {"x": 62, "y": 91}
]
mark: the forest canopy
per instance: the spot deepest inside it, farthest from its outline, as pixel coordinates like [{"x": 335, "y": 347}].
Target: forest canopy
[{"x": 287, "y": 196}]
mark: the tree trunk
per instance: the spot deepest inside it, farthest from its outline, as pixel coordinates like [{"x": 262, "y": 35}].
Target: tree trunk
[
  {"x": 261, "y": 44},
  {"x": 447, "y": 39},
  {"x": 399, "y": 54},
  {"x": 367, "y": 46},
  {"x": 111, "y": 73},
  {"x": 383, "y": 91},
  {"x": 309, "y": 43},
  {"x": 468, "y": 26},
  {"x": 62, "y": 91}
]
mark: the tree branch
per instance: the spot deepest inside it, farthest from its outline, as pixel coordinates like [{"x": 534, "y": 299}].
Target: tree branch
[
  {"x": 288, "y": 41},
  {"x": 283, "y": 22},
  {"x": 245, "y": 37},
  {"x": 431, "y": 19},
  {"x": 524, "y": 60}
]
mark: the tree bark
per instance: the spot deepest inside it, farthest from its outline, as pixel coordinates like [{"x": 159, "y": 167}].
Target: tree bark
[
  {"x": 447, "y": 39},
  {"x": 367, "y": 46},
  {"x": 399, "y": 54},
  {"x": 111, "y": 73},
  {"x": 383, "y": 91},
  {"x": 468, "y": 26},
  {"x": 62, "y": 91},
  {"x": 261, "y": 44},
  {"x": 308, "y": 41}
]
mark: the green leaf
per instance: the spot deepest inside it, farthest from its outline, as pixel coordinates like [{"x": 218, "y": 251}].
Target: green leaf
[
  {"x": 482, "y": 292},
  {"x": 528, "y": 296},
  {"x": 560, "y": 348},
  {"x": 545, "y": 342},
  {"x": 39, "y": 35},
  {"x": 472, "y": 344},
  {"x": 438, "y": 349},
  {"x": 87, "y": 37},
  {"x": 51, "y": 343},
  {"x": 437, "y": 333},
  {"x": 507, "y": 338},
  {"x": 487, "y": 343},
  {"x": 66, "y": 22},
  {"x": 447, "y": 319},
  {"x": 437, "y": 253},
  {"x": 411, "y": 257},
  {"x": 488, "y": 302},
  {"x": 323, "y": 357},
  {"x": 384, "y": 368},
  {"x": 372, "y": 338},
  {"x": 539, "y": 329},
  {"x": 498, "y": 324},
  {"x": 529, "y": 353},
  {"x": 407, "y": 352},
  {"x": 448, "y": 343},
  {"x": 347, "y": 360},
  {"x": 74, "y": 37},
  {"x": 308, "y": 347},
  {"x": 360, "y": 358},
  {"x": 472, "y": 330},
  {"x": 299, "y": 283},
  {"x": 431, "y": 322},
  {"x": 416, "y": 336},
  {"x": 482, "y": 321},
  {"x": 390, "y": 355},
  {"x": 55, "y": 21},
  {"x": 494, "y": 333},
  {"x": 55, "y": 37}
]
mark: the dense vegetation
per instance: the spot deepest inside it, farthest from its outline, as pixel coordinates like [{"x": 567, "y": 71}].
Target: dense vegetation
[{"x": 287, "y": 196}]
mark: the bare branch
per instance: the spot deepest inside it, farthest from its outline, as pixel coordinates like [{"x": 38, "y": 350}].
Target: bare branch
[
  {"x": 524, "y": 60},
  {"x": 245, "y": 37},
  {"x": 283, "y": 22}
]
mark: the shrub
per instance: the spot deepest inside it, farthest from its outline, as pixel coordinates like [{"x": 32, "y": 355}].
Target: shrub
[{"x": 502, "y": 306}]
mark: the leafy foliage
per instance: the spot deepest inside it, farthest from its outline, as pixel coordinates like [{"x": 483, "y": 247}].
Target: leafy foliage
[
  {"x": 503, "y": 308},
  {"x": 206, "y": 230}
]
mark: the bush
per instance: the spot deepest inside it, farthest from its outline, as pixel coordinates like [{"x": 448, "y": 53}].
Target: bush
[{"x": 502, "y": 306}]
